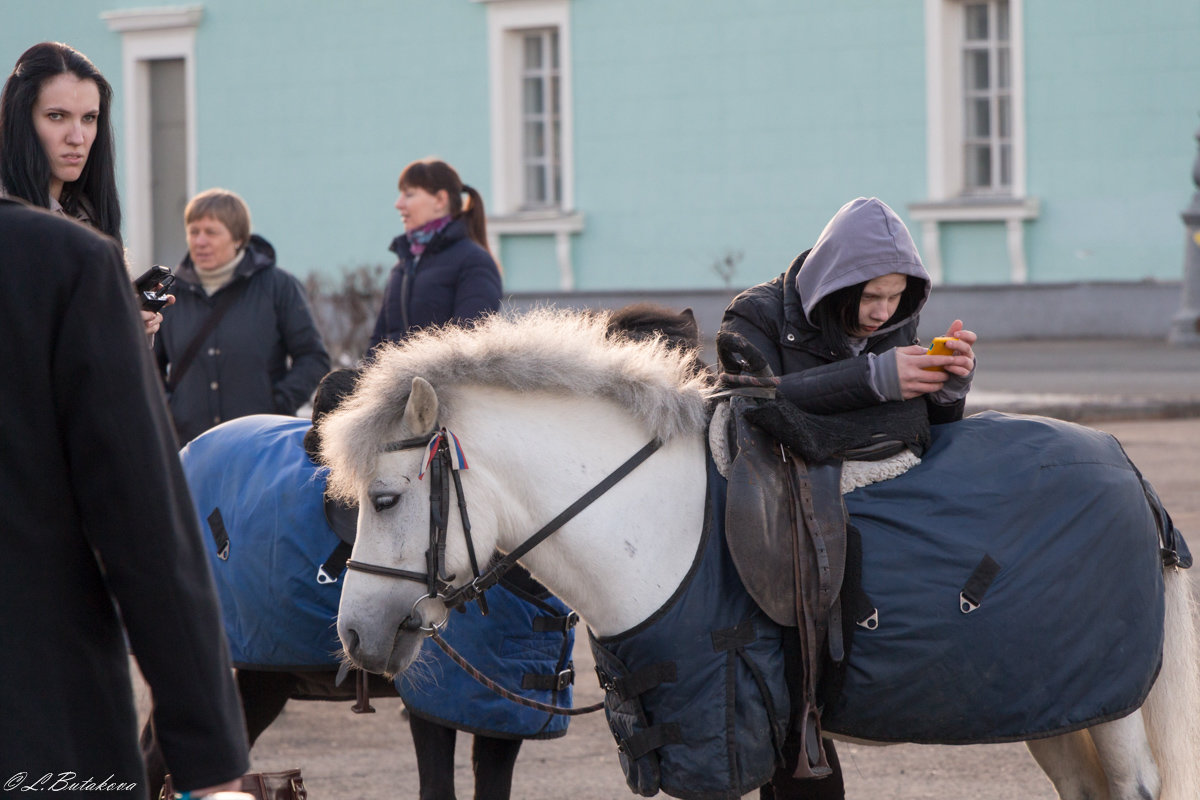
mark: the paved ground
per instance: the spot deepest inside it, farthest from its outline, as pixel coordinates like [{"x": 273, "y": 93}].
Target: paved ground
[{"x": 1145, "y": 393}]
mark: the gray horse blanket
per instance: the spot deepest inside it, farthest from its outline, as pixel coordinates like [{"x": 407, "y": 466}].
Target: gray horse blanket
[{"x": 1018, "y": 580}]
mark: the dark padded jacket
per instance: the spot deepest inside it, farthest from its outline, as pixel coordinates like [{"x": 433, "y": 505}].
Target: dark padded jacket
[
  {"x": 772, "y": 316},
  {"x": 243, "y": 366},
  {"x": 453, "y": 281},
  {"x": 95, "y": 517}
]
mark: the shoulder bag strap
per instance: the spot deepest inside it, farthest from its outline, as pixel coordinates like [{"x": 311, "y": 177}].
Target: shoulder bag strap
[{"x": 224, "y": 301}]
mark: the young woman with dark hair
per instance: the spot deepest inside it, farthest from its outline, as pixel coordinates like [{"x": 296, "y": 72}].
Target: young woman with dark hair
[
  {"x": 446, "y": 272},
  {"x": 56, "y": 141}
]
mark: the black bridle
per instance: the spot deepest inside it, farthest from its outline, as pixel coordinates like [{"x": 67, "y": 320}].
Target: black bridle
[{"x": 445, "y": 457}]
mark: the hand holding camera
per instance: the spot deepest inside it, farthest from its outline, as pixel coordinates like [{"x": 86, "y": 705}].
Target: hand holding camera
[{"x": 153, "y": 286}]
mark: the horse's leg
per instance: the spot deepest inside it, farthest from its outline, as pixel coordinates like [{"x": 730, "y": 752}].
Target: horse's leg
[
  {"x": 1072, "y": 765},
  {"x": 493, "y": 760},
  {"x": 1172, "y": 711},
  {"x": 434, "y": 747},
  {"x": 264, "y": 694},
  {"x": 1126, "y": 758}
]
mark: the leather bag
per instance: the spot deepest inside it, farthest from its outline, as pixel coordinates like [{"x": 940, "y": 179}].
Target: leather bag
[{"x": 285, "y": 785}]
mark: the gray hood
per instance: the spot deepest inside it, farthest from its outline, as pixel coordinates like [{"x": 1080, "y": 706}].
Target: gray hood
[{"x": 864, "y": 240}]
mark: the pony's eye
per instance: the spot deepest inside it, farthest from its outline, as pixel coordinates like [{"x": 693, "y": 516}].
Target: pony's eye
[{"x": 384, "y": 501}]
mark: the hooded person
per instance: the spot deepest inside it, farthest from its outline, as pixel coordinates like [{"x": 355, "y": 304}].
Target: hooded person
[
  {"x": 838, "y": 332},
  {"x": 839, "y": 328}
]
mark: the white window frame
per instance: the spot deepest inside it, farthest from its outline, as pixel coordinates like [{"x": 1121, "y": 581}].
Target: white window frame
[
  {"x": 949, "y": 198},
  {"x": 549, "y": 118},
  {"x": 507, "y": 21},
  {"x": 994, "y": 96},
  {"x": 147, "y": 35}
]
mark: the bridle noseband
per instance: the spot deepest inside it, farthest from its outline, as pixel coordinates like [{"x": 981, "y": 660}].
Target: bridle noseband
[{"x": 444, "y": 457}]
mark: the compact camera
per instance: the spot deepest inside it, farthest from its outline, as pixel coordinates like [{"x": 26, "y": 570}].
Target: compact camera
[{"x": 152, "y": 287}]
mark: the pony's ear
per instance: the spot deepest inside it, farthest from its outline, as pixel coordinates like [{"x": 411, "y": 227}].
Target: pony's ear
[{"x": 420, "y": 412}]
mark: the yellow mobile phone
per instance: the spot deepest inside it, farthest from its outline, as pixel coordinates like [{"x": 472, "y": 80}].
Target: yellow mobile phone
[{"x": 938, "y": 348}]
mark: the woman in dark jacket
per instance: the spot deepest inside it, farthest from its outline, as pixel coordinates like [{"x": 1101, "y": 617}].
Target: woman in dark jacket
[
  {"x": 445, "y": 276},
  {"x": 264, "y": 355},
  {"x": 839, "y": 330},
  {"x": 445, "y": 273},
  {"x": 96, "y": 513}
]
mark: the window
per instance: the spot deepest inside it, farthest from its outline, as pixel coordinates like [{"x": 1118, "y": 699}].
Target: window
[
  {"x": 158, "y": 70},
  {"x": 533, "y": 176},
  {"x": 987, "y": 98},
  {"x": 541, "y": 120},
  {"x": 975, "y": 146}
]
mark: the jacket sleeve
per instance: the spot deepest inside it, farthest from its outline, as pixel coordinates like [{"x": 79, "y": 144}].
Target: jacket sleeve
[
  {"x": 742, "y": 317},
  {"x": 303, "y": 342},
  {"x": 137, "y": 517},
  {"x": 830, "y": 388},
  {"x": 478, "y": 289},
  {"x": 843, "y": 385}
]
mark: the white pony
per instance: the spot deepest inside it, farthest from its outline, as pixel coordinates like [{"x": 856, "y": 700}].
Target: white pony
[{"x": 545, "y": 406}]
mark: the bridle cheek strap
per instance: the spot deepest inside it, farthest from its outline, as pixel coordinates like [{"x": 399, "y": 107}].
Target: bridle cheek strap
[{"x": 445, "y": 455}]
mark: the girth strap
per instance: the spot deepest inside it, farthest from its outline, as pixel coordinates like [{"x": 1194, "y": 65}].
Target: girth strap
[
  {"x": 639, "y": 682},
  {"x": 651, "y": 738}
]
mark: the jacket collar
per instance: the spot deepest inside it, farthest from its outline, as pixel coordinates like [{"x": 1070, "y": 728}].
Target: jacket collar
[
  {"x": 447, "y": 236},
  {"x": 259, "y": 255}
]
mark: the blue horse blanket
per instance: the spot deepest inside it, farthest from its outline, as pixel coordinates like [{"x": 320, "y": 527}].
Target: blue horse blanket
[
  {"x": 695, "y": 695},
  {"x": 1046, "y": 528},
  {"x": 252, "y": 482}
]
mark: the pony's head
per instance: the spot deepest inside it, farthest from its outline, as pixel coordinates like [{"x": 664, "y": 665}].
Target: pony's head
[
  {"x": 386, "y": 610},
  {"x": 375, "y": 447}
]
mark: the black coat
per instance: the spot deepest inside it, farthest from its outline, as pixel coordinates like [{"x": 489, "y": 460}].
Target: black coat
[
  {"x": 243, "y": 366},
  {"x": 454, "y": 280},
  {"x": 819, "y": 380},
  {"x": 96, "y": 517}
]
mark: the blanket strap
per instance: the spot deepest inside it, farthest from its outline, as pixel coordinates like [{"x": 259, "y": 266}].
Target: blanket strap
[
  {"x": 978, "y": 584},
  {"x": 334, "y": 564},
  {"x": 216, "y": 525}
]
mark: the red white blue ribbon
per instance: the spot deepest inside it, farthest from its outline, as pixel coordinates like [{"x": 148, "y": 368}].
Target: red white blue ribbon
[{"x": 458, "y": 459}]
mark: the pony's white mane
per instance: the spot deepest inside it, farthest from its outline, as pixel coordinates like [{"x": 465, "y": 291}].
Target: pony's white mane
[{"x": 541, "y": 350}]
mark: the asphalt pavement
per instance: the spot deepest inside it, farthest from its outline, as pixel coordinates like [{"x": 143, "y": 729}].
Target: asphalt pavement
[{"x": 1087, "y": 380}]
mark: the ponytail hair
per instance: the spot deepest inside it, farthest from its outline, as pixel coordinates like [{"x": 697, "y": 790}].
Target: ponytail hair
[{"x": 473, "y": 215}]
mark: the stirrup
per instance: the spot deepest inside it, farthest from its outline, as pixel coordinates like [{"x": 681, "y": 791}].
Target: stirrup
[{"x": 812, "y": 762}]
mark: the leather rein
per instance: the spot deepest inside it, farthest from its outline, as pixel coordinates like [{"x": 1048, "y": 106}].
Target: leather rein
[{"x": 444, "y": 456}]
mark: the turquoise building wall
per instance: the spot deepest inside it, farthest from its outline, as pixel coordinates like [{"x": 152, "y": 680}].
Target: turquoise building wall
[
  {"x": 708, "y": 129},
  {"x": 1112, "y": 95},
  {"x": 704, "y": 130}
]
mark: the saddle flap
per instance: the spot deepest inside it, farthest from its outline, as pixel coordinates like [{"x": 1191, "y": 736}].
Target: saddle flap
[{"x": 757, "y": 520}]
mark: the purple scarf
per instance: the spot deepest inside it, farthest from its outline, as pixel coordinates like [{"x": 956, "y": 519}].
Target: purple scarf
[{"x": 419, "y": 238}]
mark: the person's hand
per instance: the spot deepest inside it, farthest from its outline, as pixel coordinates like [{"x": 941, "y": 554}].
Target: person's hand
[
  {"x": 912, "y": 368},
  {"x": 961, "y": 342},
  {"x": 152, "y": 320}
]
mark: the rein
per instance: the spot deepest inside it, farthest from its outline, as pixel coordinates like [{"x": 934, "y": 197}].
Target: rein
[
  {"x": 440, "y": 461},
  {"x": 444, "y": 454},
  {"x": 505, "y": 693}
]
